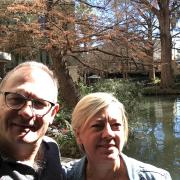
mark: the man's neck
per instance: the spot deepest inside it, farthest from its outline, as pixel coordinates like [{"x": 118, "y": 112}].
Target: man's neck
[
  {"x": 23, "y": 152},
  {"x": 36, "y": 158}
]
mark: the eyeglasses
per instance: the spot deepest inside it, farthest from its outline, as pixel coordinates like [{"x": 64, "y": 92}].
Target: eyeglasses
[{"x": 17, "y": 101}]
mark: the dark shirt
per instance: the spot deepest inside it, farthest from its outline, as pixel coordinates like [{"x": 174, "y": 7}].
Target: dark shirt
[{"x": 51, "y": 169}]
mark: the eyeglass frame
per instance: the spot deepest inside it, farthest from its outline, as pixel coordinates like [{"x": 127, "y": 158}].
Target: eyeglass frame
[{"x": 25, "y": 102}]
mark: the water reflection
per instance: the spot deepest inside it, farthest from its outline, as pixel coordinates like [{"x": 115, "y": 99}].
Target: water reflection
[
  {"x": 157, "y": 134},
  {"x": 176, "y": 126}
]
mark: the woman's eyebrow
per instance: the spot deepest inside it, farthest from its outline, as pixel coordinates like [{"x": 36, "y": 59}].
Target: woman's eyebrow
[{"x": 101, "y": 119}]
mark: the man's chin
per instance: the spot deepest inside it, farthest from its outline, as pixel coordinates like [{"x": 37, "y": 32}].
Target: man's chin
[{"x": 27, "y": 138}]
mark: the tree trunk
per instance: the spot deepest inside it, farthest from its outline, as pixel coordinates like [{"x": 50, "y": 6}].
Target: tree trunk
[
  {"x": 150, "y": 51},
  {"x": 69, "y": 91},
  {"x": 163, "y": 15},
  {"x": 151, "y": 72},
  {"x": 167, "y": 80},
  {"x": 151, "y": 62}
]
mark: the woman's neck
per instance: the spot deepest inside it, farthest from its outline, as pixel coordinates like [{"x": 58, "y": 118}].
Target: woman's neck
[{"x": 108, "y": 171}]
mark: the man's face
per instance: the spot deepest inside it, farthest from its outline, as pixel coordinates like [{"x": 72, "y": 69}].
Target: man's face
[
  {"x": 103, "y": 135},
  {"x": 23, "y": 125}
]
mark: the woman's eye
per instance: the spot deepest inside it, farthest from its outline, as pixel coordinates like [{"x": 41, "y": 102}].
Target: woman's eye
[
  {"x": 116, "y": 126},
  {"x": 98, "y": 126}
]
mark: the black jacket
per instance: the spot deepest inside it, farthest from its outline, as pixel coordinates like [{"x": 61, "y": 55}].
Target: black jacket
[{"x": 52, "y": 170}]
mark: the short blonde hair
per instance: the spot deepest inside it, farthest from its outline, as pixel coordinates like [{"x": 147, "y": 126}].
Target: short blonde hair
[{"x": 91, "y": 104}]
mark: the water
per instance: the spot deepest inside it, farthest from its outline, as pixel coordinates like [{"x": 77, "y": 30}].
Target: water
[{"x": 157, "y": 134}]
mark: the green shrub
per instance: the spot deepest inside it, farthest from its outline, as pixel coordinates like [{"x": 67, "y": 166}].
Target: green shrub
[
  {"x": 127, "y": 92},
  {"x": 67, "y": 142}
]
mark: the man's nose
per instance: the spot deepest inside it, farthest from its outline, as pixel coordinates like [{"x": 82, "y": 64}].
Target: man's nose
[
  {"x": 27, "y": 109},
  {"x": 107, "y": 131}
]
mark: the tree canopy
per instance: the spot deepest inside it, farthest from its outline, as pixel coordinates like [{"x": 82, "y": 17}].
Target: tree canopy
[{"x": 69, "y": 29}]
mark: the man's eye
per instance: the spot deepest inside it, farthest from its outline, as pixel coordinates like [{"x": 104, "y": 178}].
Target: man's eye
[
  {"x": 39, "y": 104},
  {"x": 16, "y": 100}
]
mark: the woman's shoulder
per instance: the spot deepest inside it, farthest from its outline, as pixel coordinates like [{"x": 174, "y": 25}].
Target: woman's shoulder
[
  {"x": 75, "y": 169},
  {"x": 73, "y": 164},
  {"x": 144, "y": 170}
]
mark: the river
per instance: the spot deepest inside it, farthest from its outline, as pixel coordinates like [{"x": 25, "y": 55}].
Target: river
[{"x": 157, "y": 134}]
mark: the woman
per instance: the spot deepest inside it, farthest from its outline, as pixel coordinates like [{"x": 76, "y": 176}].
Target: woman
[{"x": 101, "y": 130}]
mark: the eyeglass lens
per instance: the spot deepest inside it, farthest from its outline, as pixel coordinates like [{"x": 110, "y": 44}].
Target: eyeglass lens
[{"x": 17, "y": 101}]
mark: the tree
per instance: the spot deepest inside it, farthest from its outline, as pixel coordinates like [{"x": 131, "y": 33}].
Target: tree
[
  {"x": 55, "y": 27},
  {"x": 34, "y": 29},
  {"x": 163, "y": 10},
  {"x": 139, "y": 25},
  {"x": 145, "y": 23},
  {"x": 66, "y": 34}
]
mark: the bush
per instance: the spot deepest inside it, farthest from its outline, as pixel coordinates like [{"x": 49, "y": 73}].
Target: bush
[
  {"x": 62, "y": 132},
  {"x": 129, "y": 93}
]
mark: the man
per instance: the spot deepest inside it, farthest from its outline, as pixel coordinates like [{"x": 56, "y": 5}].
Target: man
[{"x": 28, "y": 105}]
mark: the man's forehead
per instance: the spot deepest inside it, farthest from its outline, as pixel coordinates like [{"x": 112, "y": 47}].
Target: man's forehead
[
  {"x": 31, "y": 75},
  {"x": 27, "y": 71}
]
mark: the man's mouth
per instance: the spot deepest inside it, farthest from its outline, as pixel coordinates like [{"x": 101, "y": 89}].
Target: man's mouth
[{"x": 24, "y": 127}]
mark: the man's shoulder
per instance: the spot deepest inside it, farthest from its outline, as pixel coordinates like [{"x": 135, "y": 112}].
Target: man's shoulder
[
  {"x": 53, "y": 169},
  {"x": 48, "y": 139},
  {"x": 51, "y": 146}
]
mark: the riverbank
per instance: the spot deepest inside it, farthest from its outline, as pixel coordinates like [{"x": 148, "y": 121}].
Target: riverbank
[{"x": 157, "y": 90}]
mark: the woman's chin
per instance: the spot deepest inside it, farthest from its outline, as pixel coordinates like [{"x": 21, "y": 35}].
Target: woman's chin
[{"x": 110, "y": 156}]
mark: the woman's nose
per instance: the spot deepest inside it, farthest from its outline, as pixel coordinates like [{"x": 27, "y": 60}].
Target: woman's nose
[{"x": 107, "y": 131}]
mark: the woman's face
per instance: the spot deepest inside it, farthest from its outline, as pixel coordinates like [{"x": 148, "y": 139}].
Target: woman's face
[{"x": 103, "y": 135}]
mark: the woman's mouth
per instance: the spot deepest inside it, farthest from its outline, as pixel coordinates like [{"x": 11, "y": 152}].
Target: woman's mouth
[{"x": 106, "y": 146}]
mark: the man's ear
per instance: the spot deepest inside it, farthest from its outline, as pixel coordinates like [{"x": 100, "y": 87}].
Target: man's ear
[
  {"x": 77, "y": 135},
  {"x": 54, "y": 112}
]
